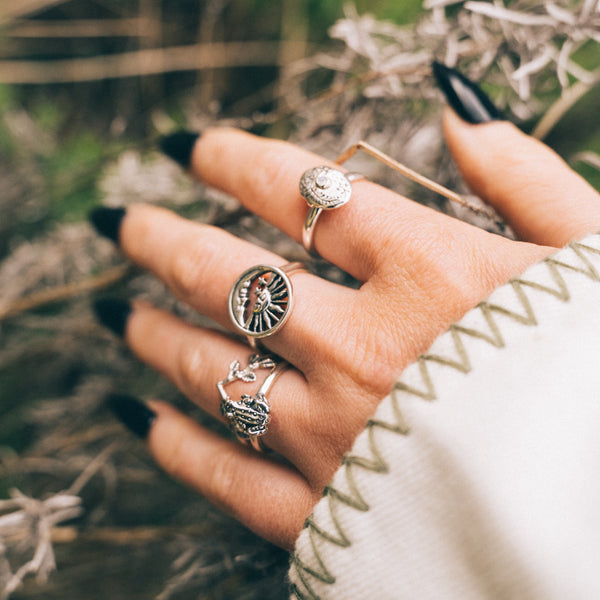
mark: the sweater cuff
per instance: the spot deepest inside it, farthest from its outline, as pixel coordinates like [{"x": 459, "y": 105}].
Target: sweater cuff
[{"x": 476, "y": 477}]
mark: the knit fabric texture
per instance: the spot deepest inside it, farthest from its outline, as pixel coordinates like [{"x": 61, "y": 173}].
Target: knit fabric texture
[{"x": 477, "y": 477}]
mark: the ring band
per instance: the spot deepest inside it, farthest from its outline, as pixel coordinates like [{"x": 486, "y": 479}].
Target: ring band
[
  {"x": 249, "y": 418},
  {"x": 323, "y": 188},
  {"x": 260, "y": 300}
]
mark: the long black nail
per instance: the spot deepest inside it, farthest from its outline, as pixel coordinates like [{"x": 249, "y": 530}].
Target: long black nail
[
  {"x": 107, "y": 221},
  {"x": 133, "y": 413},
  {"x": 179, "y": 146},
  {"x": 465, "y": 97},
  {"x": 113, "y": 313}
]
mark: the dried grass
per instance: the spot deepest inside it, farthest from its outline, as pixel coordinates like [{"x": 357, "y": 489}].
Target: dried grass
[{"x": 90, "y": 499}]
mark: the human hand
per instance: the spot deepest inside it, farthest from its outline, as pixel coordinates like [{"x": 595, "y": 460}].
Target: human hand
[{"x": 420, "y": 271}]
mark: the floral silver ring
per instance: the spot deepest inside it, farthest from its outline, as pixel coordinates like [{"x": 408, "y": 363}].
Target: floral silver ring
[
  {"x": 260, "y": 300},
  {"x": 250, "y": 416}
]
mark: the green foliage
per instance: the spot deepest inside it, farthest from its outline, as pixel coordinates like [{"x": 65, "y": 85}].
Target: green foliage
[
  {"x": 7, "y": 95},
  {"x": 576, "y": 132},
  {"x": 71, "y": 173},
  {"x": 588, "y": 56},
  {"x": 403, "y": 12}
]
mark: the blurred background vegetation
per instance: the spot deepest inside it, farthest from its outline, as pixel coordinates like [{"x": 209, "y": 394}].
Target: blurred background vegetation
[
  {"x": 83, "y": 83},
  {"x": 93, "y": 78}
]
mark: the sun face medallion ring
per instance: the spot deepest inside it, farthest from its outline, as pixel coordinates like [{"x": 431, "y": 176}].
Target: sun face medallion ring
[
  {"x": 323, "y": 188},
  {"x": 249, "y": 417},
  {"x": 260, "y": 300}
]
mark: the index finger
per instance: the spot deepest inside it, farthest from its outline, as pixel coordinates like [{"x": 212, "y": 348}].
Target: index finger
[{"x": 264, "y": 175}]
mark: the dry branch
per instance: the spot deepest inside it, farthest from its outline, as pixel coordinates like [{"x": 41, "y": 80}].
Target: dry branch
[
  {"x": 135, "y": 27},
  {"x": 145, "y": 62},
  {"x": 569, "y": 98},
  {"x": 63, "y": 292},
  {"x": 15, "y": 10},
  {"x": 131, "y": 535}
]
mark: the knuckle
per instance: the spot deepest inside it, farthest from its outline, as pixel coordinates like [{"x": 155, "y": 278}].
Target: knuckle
[
  {"x": 185, "y": 269},
  {"x": 271, "y": 173},
  {"x": 222, "y": 478},
  {"x": 191, "y": 262},
  {"x": 191, "y": 371},
  {"x": 173, "y": 458}
]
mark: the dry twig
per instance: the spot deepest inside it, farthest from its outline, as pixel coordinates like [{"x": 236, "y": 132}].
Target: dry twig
[
  {"x": 14, "y": 10},
  {"x": 63, "y": 292},
  {"x": 85, "y": 28},
  {"x": 153, "y": 61}
]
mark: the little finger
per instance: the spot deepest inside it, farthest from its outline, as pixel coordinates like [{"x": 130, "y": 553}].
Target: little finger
[{"x": 270, "y": 498}]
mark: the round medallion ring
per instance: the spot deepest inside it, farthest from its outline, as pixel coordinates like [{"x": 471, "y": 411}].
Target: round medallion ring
[
  {"x": 323, "y": 188},
  {"x": 260, "y": 300}
]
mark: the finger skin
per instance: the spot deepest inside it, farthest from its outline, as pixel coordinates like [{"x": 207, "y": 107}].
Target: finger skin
[
  {"x": 195, "y": 358},
  {"x": 200, "y": 263},
  {"x": 542, "y": 198},
  {"x": 268, "y": 497},
  {"x": 424, "y": 271},
  {"x": 360, "y": 237},
  {"x": 264, "y": 175},
  {"x": 305, "y": 425}
]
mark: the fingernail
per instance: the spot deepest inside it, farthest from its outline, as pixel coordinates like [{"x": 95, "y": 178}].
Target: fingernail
[
  {"x": 113, "y": 313},
  {"x": 179, "y": 146},
  {"x": 107, "y": 221},
  {"x": 465, "y": 97},
  {"x": 133, "y": 413}
]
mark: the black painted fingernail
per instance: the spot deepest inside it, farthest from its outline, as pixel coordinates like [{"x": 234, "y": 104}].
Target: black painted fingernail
[
  {"x": 465, "y": 97},
  {"x": 113, "y": 313},
  {"x": 107, "y": 221},
  {"x": 133, "y": 413},
  {"x": 179, "y": 146}
]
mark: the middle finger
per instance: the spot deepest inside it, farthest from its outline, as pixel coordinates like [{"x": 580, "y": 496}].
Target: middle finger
[{"x": 200, "y": 264}]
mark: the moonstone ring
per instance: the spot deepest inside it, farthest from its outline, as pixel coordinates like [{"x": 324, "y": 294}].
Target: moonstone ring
[{"x": 324, "y": 188}]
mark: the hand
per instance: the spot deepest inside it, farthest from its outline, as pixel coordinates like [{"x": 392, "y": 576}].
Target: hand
[{"x": 421, "y": 271}]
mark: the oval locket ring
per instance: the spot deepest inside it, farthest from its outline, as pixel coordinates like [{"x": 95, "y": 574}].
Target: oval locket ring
[
  {"x": 260, "y": 300},
  {"x": 323, "y": 188}
]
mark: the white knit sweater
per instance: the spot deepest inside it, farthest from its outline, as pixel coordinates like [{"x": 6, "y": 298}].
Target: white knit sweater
[{"x": 479, "y": 475}]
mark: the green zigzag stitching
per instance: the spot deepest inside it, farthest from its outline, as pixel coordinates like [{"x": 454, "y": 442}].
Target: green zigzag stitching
[{"x": 463, "y": 365}]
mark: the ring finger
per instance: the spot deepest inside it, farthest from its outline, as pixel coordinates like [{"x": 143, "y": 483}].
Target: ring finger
[{"x": 195, "y": 359}]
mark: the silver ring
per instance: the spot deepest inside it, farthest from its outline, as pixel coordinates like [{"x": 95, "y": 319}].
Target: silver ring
[
  {"x": 260, "y": 300},
  {"x": 323, "y": 188},
  {"x": 249, "y": 418}
]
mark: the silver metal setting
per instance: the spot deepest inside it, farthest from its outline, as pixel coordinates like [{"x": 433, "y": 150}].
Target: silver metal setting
[
  {"x": 323, "y": 188},
  {"x": 249, "y": 417},
  {"x": 260, "y": 300}
]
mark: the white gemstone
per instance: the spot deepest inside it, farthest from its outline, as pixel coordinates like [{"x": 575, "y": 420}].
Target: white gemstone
[{"x": 322, "y": 181}]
